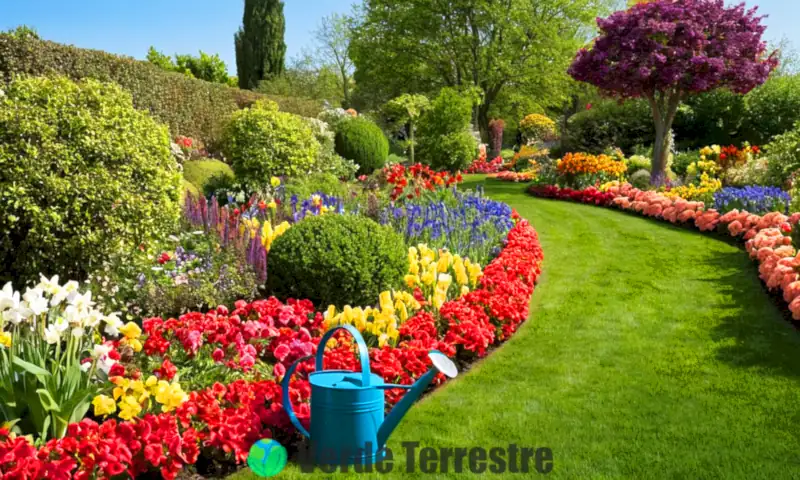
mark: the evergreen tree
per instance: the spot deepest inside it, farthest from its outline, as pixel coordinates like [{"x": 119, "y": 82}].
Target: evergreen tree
[{"x": 260, "y": 47}]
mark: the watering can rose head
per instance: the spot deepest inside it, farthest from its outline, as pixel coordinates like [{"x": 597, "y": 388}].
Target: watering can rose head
[{"x": 347, "y": 408}]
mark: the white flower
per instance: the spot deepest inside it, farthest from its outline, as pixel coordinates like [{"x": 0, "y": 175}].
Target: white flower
[
  {"x": 93, "y": 319},
  {"x": 112, "y": 324},
  {"x": 73, "y": 316},
  {"x": 181, "y": 280},
  {"x": 82, "y": 302},
  {"x": 85, "y": 366},
  {"x": 105, "y": 363},
  {"x": 14, "y": 315},
  {"x": 174, "y": 238},
  {"x": 157, "y": 269},
  {"x": 49, "y": 285},
  {"x": 71, "y": 289},
  {"x": 8, "y": 298},
  {"x": 35, "y": 301},
  {"x": 100, "y": 351},
  {"x": 51, "y": 335},
  {"x": 77, "y": 332}
]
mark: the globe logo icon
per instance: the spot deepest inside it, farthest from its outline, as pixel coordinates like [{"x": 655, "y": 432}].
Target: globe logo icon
[{"x": 267, "y": 458}]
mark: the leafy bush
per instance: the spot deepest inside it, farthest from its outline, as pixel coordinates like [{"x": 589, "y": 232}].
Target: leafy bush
[
  {"x": 507, "y": 154},
  {"x": 682, "y": 160},
  {"x": 537, "y": 128},
  {"x": 262, "y": 142},
  {"x": 444, "y": 138},
  {"x": 772, "y": 108},
  {"x": 363, "y": 142},
  {"x": 610, "y": 124},
  {"x": 327, "y": 158},
  {"x": 308, "y": 185},
  {"x": 640, "y": 179},
  {"x": 638, "y": 162},
  {"x": 190, "y": 107},
  {"x": 336, "y": 259},
  {"x": 783, "y": 154},
  {"x": 83, "y": 175},
  {"x": 200, "y": 172},
  {"x": 393, "y": 159}
]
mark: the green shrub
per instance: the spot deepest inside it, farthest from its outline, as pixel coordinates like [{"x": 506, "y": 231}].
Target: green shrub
[
  {"x": 393, "y": 158},
  {"x": 772, "y": 108},
  {"x": 363, "y": 142},
  {"x": 190, "y": 107},
  {"x": 445, "y": 141},
  {"x": 682, "y": 161},
  {"x": 308, "y": 185},
  {"x": 83, "y": 175},
  {"x": 261, "y": 142},
  {"x": 640, "y": 179},
  {"x": 783, "y": 154},
  {"x": 328, "y": 160},
  {"x": 336, "y": 259},
  {"x": 200, "y": 172},
  {"x": 638, "y": 162},
  {"x": 610, "y": 124},
  {"x": 507, "y": 154}
]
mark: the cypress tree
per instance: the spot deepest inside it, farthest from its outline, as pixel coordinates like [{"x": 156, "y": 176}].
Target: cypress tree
[{"x": 260, "y": 46}]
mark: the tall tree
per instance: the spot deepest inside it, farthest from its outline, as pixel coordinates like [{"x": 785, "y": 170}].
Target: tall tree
[
  {"x": 333, "y": 36},
  {"x": 666, "y": 50},
  {"x": 420, "y": 46},
  {"x": 260, "y": 46}
]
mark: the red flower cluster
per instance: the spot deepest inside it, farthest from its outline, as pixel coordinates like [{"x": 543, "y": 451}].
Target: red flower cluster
[
  {"x": 589, "y": 195},
  {"x": 225, "y": 421},
  {"x": 411, "y": 182},
  {"x": 515, "y": 177},
  {"x": 480, "y": 165}
]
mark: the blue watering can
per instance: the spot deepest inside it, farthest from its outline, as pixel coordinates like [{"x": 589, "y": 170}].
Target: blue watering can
[{"x": 347, "y": 424}]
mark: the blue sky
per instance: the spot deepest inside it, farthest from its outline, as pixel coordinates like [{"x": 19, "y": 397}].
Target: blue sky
[{"x": 129, "y": 27}]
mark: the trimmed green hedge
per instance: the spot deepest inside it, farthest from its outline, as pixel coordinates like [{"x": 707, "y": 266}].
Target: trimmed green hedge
[
  {"x": 190, "y": 107},
  {"x": 199, "y": 172}
]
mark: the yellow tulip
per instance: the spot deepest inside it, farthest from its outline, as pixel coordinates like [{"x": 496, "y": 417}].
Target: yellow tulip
[
  {"x": 104, "y": 405},
  {"x": 130, "y": 330}
]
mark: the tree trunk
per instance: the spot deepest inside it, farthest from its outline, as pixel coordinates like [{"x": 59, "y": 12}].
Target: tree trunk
[
  {"x": 658, "y": 169},
  {"x": 483, "y": 122},
  {"x": 411, "y": 139}
]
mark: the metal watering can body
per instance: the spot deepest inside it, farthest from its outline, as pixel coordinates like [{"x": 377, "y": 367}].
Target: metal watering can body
[{"x": 347, "y": 408}]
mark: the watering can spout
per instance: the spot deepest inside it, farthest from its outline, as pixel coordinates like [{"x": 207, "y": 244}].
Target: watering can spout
[{"x": 440, "y": 364}]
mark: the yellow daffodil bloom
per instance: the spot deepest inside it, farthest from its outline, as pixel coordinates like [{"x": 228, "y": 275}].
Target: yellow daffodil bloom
[
  {"x": 104, "y": 405},
  {"x": 275, "y": 182},
  {"x": 5, "y": 339},
  {"x": 131, "y": 330}
]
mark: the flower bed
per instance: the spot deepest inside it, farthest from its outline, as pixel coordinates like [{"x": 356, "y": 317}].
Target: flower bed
[
  {"x": 223, "y": 421},
  {"x": 767, "y": 238},
  {"x": 516, "y": 177},
  {"x": 481, "y": 165}
]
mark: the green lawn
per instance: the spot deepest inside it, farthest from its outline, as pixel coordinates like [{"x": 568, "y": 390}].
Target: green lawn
[{"x": 651, "y": 352}]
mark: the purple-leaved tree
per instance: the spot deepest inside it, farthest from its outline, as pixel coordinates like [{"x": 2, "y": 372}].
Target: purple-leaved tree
[{"x": 666, "y": 50}]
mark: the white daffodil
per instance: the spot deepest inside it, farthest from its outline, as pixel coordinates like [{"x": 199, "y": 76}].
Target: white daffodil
[
  {"x": 8, "y": 298},
  {"x": 82, "y": 302},
  {"x": 77, "y": 332},
  {"x": 93, "y": 319},
  {"x": 100, "y": 350},
  {"x": 85, "y": 366},
  {"x": 14, "y": 315},
  {"x": 73, "y": 316},
  {"x": 49, "y": 285},
  {"x": 60, "y": 325},
  {"x": 57, "y": 295},
  {"x": 113, "y": 323},
  {"x": 105, "y": 363},
  {"x": 71, "y": 289},
  {"x": 35, "y": 301},
  {"x": 51, "y": 335}
]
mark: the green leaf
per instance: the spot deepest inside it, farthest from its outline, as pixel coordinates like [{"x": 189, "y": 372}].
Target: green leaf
[
  {"x": 30, "y": 368},
  {"x": 47, "y": 401}
]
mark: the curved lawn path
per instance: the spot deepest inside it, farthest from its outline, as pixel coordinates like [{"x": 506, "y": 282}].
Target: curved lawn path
[{"x": 651, "y": 352}]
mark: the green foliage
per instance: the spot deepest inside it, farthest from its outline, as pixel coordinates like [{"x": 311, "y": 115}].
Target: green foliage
[
  {"x": 783, "y": 153},
  {"x": 445, "y": 141},
  {"x": 712, "y": 118},
  {"x": 610, "y": 124},
  {"x": 23, "y": 32},
  {"x": 773, "y": 108},
  {"x": 638, "y": 162},
  {"x": 83, "y": 176},
  {"x": 682, "y": 160},
  {"x": 308, "y": 185},
  {"x": 336, "y": 259},
  {"x": 407, "y": 109},
  {"x": 327, "y": 158},
  {"x": 305, "y": 79},
  {"x": 394, "y": 158},
  {"x": 363, "y": 142},
  {"x": 640, "y": 179},
  {"x": 188, "y": 106},
  {"x": 507, "y": 154},
  {"x": 200, "y": 172},
  {"x": 261, "y": 142},
  {"x": 260, "y": 46}
]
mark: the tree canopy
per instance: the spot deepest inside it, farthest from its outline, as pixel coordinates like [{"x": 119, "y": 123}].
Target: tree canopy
[
  {"x": 260, "y": 45},
  {"x": 420, "y": 46}
]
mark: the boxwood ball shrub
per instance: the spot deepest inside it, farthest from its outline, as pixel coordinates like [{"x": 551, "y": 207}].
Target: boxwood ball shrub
[
  {"x": 363, "y": 142},
  {"x": 261, "y": 142},
  {"x": 83, "y": 175},
  {"x": 336, "y": 259}
]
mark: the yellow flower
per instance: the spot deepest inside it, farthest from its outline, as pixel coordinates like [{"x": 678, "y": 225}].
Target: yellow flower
[
  {"x": 385, "y": 301},
  {"x": 272, "y": 205},
  {"x": 103, "y": 405},
  {"x": 5, "y": 339},
  {"x": 444, "y": 262},
  {"x": 275, "y": 182},
  {"x": 460, "y": 270},
  {"x": 464, "y": 290},
  {"x": 151, "y": 381},
  {"x": 411, "y": 280},
  {"x": 428, "y": 277},
  {"x": 129, "y": 408},
  {"x": 131, "y": 330}
]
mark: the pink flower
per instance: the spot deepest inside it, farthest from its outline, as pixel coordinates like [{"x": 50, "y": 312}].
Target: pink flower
[
  {"x": 281, "y": 352},
  {"x": 218, "y": 355}
]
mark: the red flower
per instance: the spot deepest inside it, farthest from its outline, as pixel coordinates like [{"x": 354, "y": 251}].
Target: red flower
[
  {"x": 218, "y": 355},
  {"x": 167, "y": 370},
  {"x": 786, "y": 227},
  {"x": 164, "y": 258}
]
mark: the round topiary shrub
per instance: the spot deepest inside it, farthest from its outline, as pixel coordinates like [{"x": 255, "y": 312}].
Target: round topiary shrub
[
  {"x": 364, "y": 143},
  {"x": 261, "y": 142},
  {"x": 83, "y": 175},
  {"x": 537, "y": 128},
  {"x": 336, "y": 259}
]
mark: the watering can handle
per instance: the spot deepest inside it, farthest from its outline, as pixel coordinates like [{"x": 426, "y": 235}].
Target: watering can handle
[
  {"x": 287, "y": 402},
  {"x": 363, "y": 353}
]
